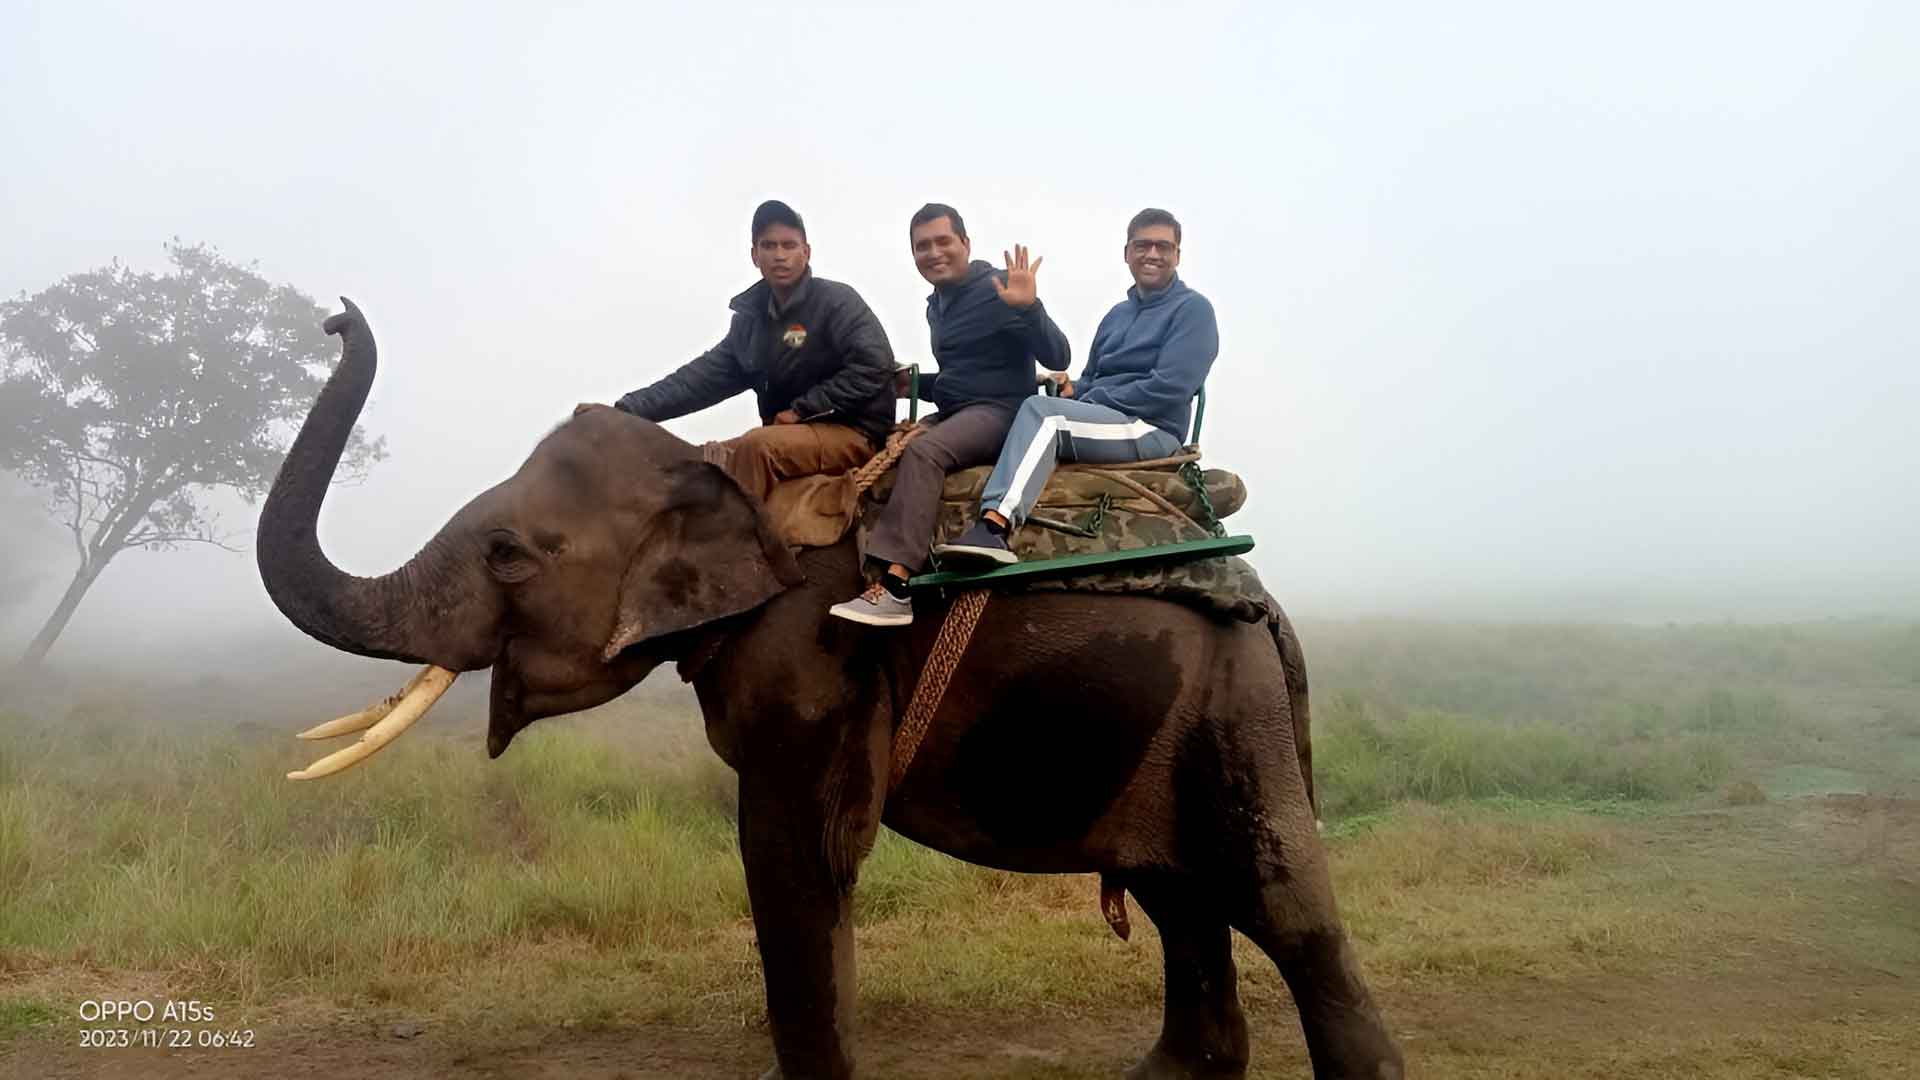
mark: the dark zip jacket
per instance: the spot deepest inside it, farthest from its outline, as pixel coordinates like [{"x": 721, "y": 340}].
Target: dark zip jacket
[
  {"x": 986, "y": 348},
  {"x": 823, "y": 355},
  {"x": 1150, "y": 356}
]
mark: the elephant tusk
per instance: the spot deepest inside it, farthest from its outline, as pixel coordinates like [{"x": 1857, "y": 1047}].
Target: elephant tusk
[
  {"x": 366, "y": 717},
  {"x": 426, "y": 690}
]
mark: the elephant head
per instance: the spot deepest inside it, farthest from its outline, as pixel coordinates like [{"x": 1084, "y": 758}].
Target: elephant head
[{"x": 571, "y": 579}]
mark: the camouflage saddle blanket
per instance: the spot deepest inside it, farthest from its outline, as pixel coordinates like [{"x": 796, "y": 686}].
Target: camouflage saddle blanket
[{"x": 1084, "y": 509}]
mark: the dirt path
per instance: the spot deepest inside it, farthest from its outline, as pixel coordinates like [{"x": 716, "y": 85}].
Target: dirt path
[
  {"x": 1711, "y": 1028},
  {"x": 1736, "y": 1024}
]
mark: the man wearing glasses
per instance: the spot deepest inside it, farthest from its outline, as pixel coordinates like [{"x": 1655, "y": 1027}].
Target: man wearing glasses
[{"x": 1133, "y": 402}]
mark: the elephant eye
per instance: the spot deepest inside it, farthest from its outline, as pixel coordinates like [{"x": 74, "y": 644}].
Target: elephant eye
[{"x": 508, "y": 560}]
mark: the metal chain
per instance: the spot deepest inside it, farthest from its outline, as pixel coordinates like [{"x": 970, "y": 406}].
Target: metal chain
[
  {"x": 1099, "y": 515},
  {"x": 1190, "y": 472},
  {"x": 1089, "y": 529},
  {"x": 955, "y": 632}
]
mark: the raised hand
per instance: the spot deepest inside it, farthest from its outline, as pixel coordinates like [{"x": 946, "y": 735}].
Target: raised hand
[{"x": 1020, "y": 290}]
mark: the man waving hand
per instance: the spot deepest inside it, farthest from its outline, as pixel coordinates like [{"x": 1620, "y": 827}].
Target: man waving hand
[{"x": 1132, "y": 403}]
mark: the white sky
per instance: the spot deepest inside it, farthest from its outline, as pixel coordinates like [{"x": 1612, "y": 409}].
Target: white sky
[{"x": 1525, "y": 309}]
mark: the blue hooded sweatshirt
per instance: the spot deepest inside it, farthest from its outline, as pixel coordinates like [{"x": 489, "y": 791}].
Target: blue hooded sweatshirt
[
  {"x": 986, "y": 347},
  {"x": 1150, "y": 356}
]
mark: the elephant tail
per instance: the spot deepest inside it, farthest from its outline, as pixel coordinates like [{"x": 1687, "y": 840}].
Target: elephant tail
[{"x": 1294, "y": 662}]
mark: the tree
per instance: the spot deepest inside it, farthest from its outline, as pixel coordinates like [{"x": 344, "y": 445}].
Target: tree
[{"x": 127, "y": 398}]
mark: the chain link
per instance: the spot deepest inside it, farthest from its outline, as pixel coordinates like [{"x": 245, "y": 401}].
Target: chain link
[
  {"x": 1099, "y": 515},
  {"x": 1190, "y": 472},
  {"x": 1088, "y": 529}
]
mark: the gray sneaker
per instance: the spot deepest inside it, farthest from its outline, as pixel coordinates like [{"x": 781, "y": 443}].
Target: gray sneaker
[{"x": 875, "y": 607}]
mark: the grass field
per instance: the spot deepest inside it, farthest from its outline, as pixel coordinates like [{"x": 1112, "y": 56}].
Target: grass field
[{"x": 1564, "y": 851}]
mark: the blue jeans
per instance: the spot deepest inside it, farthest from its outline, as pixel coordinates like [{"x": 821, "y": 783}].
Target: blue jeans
[{"x": 1048, "y": 430}]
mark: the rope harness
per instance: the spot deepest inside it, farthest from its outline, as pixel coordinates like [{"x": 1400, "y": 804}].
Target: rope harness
[
  {"x": 956, "y": 630},
  {"x": 867, "y": 475}
]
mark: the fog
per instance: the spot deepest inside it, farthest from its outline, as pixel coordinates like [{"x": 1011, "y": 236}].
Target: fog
[{"x": 1526, "y": 311}]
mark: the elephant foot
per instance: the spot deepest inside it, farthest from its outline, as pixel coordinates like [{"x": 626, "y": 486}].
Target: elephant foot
[
  {"x": 1161, "y": 1065},
  {"x": 773, "y": 1073}
]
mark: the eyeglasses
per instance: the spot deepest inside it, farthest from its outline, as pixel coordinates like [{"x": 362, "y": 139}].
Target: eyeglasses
[{"x": 1157, "y": 247}]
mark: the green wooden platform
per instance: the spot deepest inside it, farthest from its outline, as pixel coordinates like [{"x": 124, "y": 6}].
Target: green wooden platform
[{"x": 1075, "y": 564}]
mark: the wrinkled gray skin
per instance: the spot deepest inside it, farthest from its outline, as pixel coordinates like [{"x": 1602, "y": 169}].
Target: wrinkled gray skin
[{"x": 1083, "y": 733}]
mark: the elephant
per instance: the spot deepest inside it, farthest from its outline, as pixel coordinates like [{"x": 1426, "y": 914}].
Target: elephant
[{"x": 1118, "y": 735}]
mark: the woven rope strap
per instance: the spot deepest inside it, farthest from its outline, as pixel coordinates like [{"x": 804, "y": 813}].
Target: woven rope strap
[
  {"x": 956, "y": 630},
  {"x": 865, "y": 476}
]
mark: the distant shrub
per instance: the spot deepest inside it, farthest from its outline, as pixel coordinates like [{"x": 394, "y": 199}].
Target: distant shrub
[
  {"x": 1900, "y": 721},
  {"x": 1724, "y": 710},
  {"x": 1364, "y": 760}
]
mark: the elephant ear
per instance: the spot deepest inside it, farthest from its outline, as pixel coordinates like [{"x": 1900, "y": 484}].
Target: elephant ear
[{"x": 709, "y": 554}]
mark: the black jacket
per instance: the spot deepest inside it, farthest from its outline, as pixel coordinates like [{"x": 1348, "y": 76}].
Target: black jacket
[
  {"x": 824, "y": 356},
  {"x": 985, "y": 347}
]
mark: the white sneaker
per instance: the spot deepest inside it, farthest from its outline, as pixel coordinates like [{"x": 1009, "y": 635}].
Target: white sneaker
[{"x": 875, "y": 607}]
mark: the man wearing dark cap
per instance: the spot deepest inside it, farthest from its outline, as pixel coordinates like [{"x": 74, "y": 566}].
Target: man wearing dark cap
[{"x": 812, "y": 353}]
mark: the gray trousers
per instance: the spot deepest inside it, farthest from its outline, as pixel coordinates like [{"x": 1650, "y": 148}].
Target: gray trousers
[
  {"x": 967, "y": 437},
  {"x": 1050, "y": 429}
]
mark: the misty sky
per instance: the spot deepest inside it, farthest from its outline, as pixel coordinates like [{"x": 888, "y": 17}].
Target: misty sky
[{"x": 1524, "y": 308}]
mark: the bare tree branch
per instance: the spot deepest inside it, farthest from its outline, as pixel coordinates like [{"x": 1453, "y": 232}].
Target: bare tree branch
[{"x": 152, "y": 538}]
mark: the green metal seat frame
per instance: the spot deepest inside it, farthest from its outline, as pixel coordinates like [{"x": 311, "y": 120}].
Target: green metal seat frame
[{"x": 1067, "y": 566}]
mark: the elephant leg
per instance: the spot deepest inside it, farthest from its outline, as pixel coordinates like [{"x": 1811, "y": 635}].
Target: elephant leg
[
  {"x": 1299, "y": 931},
  {"x": 1203, "y": 1033},
  {"x": 804, "y": 923},
  {"x": 802, "y": 851}
]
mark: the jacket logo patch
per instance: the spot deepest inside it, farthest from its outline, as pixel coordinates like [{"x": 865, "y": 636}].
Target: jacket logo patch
[{"x": 795, "y": 336}]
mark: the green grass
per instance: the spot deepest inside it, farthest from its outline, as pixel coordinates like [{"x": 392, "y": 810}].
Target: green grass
[
  {"x": 20, "y": 1015},
  {"x": 151, "y": 854},
  {"x": 1364, "y": 761},
  {"x": 1438, "y": 712},
  {"x": 1507, "y": 812}
]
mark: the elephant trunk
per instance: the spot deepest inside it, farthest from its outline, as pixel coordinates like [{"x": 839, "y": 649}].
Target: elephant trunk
[{"x": 381, "y": 616}]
